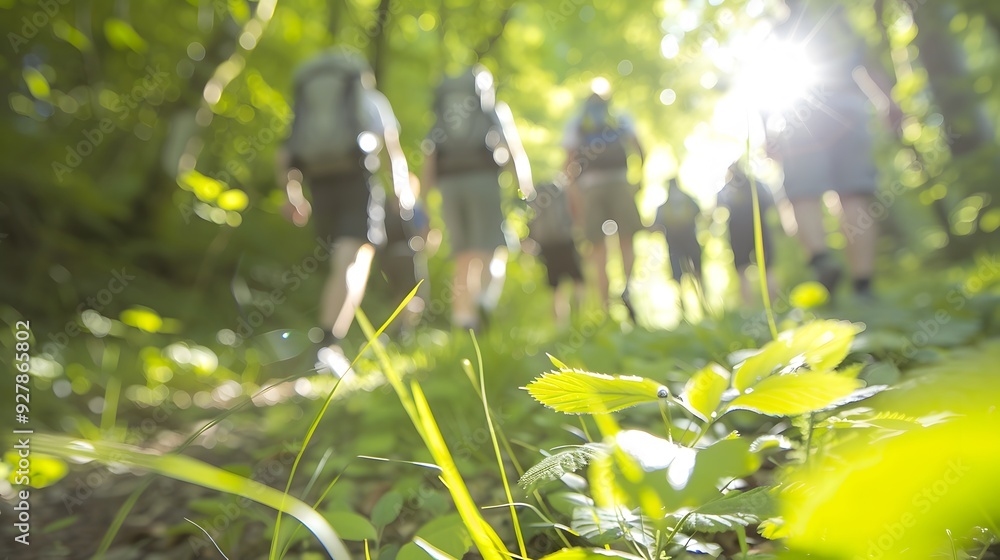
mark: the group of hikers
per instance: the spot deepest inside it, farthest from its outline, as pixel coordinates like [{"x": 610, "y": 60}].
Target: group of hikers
[{"x": 345, "y": 138}]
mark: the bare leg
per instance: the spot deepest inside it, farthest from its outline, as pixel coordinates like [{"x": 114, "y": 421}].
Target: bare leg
[
  {"x": 599, "y": 256},
  {"x": 345, "y": 287},
  {"x": 809, "y": 221},
  {"x": 628, "y": 255},
  {"x": 463, "y": 312}
]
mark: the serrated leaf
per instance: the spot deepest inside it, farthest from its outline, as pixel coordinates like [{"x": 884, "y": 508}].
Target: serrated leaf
[
  {"x": 820, "y": 346},
  {"x": 387, "y": 509},
  {"x": 731, "y": 511},
  {"x": 703, "y": 392},
  {"x": 558, "y": 465},
  {"x": 579, "y": 553},
  {"x": 795, "y": 393},
  {"x": 603, "y": 526},
  {"x": 556, "y": 362},
  {"x": 584, "y": 392}
]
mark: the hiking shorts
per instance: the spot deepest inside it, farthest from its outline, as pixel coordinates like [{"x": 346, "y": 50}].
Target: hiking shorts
[
  {"x": 561, "y": 261},
  {"x": 470, "y": 204},
  {"x": 608, "y": 196},
  {"x": 828, "y": 148},
  {"x": 348, "y": 205}
]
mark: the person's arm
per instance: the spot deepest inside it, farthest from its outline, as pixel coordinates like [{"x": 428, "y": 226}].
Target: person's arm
[
  {"x": 297, "y": 208},
  {"x": 876, "y": 86},
  {"x": 518, "y": 157},
  {"x": 399, "y": 172}
]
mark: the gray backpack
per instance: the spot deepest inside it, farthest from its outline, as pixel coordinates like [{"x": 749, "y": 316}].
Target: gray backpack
[
  {"x": 465, "y": 133},
  {"x": 552, "y": 222},
  {"x": 329, "y": 115}
]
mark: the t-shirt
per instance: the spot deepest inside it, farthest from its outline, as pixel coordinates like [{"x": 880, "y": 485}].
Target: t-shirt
[{"x": 552, "y": 222}]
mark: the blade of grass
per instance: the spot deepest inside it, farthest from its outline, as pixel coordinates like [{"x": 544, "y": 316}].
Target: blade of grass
[
  {"x": 490, "y": 545},
  {"x": 496, "y": 448},
  {"x": 322, "y": 412},
  {"x": 196, "y": 472},
  {"x": 758, "y": 247},
  {"x": 111, "y": 396},
  {"x": 130, "y": 502}
]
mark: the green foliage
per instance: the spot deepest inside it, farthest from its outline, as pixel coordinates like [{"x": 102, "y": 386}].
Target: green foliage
[
  {"x": 583, "y": 392},
  {"x": 558, "y": 464}
]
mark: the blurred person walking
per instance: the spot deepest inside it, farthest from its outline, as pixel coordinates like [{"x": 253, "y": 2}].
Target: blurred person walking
[
  {"x": 677, "y": 219},
  {"x": 737, "y": 198},
  {"x": 598, "y": 143},
  {"x": 473, "y": 138},
  {"x": 551, "y": 229},
  {"x": 342, "y": 127},
  {"x": 823, "y": 140}
]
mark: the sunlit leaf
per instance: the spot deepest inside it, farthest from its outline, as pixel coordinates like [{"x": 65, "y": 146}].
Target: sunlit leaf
[
  {"x": 582, "y": 392},
  {"x": 232, "y": 199},
  {"x": 142, "y": 318},
  {"x": 819, "y": 345},
  {"x": 43, "y": 470},
  {"x": 703, "y": 392},
  {"x": 36, "y": 82},
  {"x": 121, "y": 35},
  {"x": 796, "y": 393}
]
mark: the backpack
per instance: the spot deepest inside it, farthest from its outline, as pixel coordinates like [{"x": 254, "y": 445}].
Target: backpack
[
  {"x": 329, "y": 115},
  {"x": 552, "y": 222},
  {"x": 466, "y": 132},
  {"x": 600, "y": 133}
]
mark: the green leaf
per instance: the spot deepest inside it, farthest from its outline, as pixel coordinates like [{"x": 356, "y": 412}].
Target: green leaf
[
  {"x": 566, "y": 502},
  {"x": 447, "y": 534},
  {"x": 820, "y": 346},
  {"x": 583, "y": 392},
  {"x": 121, "y": 35},
  {"x": 233, "y": 199},
  {"x": 795, "y": 393},
  {"x": 703, "y": 392},
  {"x": 556, "y": 362},
  {"x": 387, "y": 509},
  {"x": 715, "y": 465},
  {"x": 603, "y": 526},
  {"x": 351, "y": 526},
  {"x": 555, "y": 466},
  {"x": 578, "y": 553},
  {"x": 732, "y": 510}
]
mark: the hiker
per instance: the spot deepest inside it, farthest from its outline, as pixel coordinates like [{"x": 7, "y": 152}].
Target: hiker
[
  {"x": 677, "y": 218},
  {"x": 403, "y": 262},
  {"x": 342, "y": 125},
  {"x": 823, "y": 143},
  {"x": 737, "y": 198},
  {"x": 598, "y": 143},
  {"x": 551, "y": 229},
  {"x": 473, "y": 138}
]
